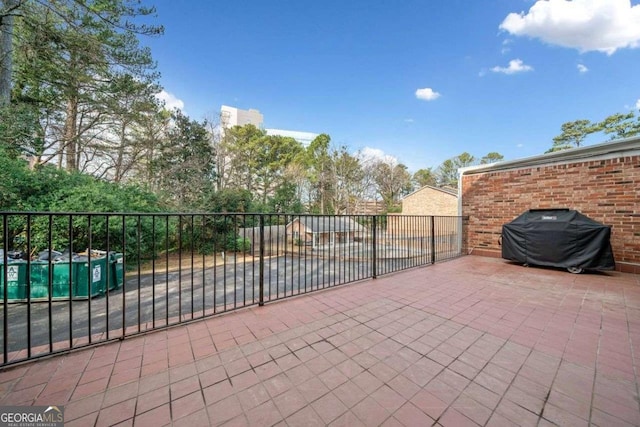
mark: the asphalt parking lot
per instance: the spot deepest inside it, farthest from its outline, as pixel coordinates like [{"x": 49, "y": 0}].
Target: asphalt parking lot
[{"x": 153, "y": 300}]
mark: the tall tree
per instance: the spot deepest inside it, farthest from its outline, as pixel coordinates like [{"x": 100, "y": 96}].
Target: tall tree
[
  {"x": 621, "y": 125},
  {"x": 448, "y": 170},
  {"x": 185, "y": 165},
  {"x": 424, "y": 177},
  {"x": 573, "y": 134},
  {"x": 347, "y": 181},
  {"x": 75, "y": 49},
  {"x": 274, "y": 155},
  {"x": 448, "y": 174},
  {"x": 242, "y": 145},
  {"x": 320, "y": 177},
  {"x": 392, "y": 181},
  {"x": 8, "y": 10},
  {"x": 118, "y": 144},
  {"x": 491, "y": 157}
]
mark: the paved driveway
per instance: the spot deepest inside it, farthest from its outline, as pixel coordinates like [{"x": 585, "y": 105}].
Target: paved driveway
[{"x": 474, "y": 341}]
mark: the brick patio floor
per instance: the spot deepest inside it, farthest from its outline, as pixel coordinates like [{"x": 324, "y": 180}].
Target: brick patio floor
[{"x": 474, "y": 341}]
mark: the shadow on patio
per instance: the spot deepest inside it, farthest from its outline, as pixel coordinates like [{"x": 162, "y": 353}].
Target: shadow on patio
[{"x": 466, "y": 342}]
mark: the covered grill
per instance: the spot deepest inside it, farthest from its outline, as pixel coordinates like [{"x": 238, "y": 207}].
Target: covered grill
[{"x": 558, "y": 238}]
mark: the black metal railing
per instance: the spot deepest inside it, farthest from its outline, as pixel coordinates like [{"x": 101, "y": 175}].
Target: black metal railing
[{"x": 69, "y": 280}]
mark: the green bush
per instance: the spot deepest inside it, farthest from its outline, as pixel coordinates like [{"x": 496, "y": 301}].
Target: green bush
[{"x": 238, "y": 244}]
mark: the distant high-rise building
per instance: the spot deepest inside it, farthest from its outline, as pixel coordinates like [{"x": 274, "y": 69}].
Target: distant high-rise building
[
  {"x": 231, "y": 116},
  {"x": 303, "y": 138}
]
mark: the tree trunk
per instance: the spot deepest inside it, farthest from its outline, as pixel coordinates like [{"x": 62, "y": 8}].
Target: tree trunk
[
  {"x": 70, "y": 139},
  {"x": 6, "y": 48},
  {"x": 120, "y": 156}
]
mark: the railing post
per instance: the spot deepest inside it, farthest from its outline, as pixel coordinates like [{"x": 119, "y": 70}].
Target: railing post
[
  {"x": 433, "y": 240},
  {"x": 375, "y": 249},
  {"x": 261, "y": 272}
]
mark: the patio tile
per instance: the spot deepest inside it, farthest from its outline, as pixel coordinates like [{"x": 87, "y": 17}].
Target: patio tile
[
  {"x": 298, "y": 375},
  {"x": 264, "y": 415},
  {"x": 409, "y": 415},
  {"x": 348, "y": 357},
  {"x": 278, "y": 384},
  {"x": 152, "y": 399},
  {"x": 403, "y": 386},
  {"x": 306, "y": 417},
  {"x": 348, "y": 419},
  {"x": 367, "y": 382},
  {"x": 290, "y": 402},
  {"x": 186, "y": 405},
  {"x": 224, "y": 410},
  {"x": 312, "y": 389},
  {"x": 602, "y": 419},
  {"x": 217, "y": 392},
  {"x": 561, "y": 417},
  {"x": 453, "y": 418},
  {"x": 472, "y": 409},
  {"x": 159, "y": 416},
  {"x": 429, "y": 403},
  {"x": 370, "y": 412},
  {"x": 117, "y": 413},
  {"x": 517, "y": 414},
  {"x": 388, "y": 398}
]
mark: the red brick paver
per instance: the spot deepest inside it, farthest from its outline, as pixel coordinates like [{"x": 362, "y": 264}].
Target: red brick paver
[{"x": 474, "y": 341}]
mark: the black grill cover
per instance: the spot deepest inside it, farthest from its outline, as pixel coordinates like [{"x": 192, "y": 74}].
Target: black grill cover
[{"x": 558, "y": 238}]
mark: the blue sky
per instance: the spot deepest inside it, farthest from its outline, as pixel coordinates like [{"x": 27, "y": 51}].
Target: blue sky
[{"x": 419, "y": 80}]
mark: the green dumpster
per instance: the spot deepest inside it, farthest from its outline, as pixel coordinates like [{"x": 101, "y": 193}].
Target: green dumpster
[
  {"x": 90, "y": 277},
  {"x": 16, "y": 281},
  {"x": 39, "y": 280},
  {"x": 116, "y": 274}
]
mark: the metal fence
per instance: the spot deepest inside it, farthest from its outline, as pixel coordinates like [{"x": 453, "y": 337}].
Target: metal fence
[{"x": 69, "y": 280}]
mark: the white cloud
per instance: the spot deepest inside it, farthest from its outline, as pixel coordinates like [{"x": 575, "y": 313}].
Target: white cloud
[
  {"x": 515, "y": 66},
  {"x": 586, "y": 25},
  {"x": 427, "y": 94},
  {"x": 372, "y": 155},
  {"x": 638, "y": 104},
  {"x": 408, "y": 120},
  {"x": 582, "y": 68},
  {"x": 170, "y": 100}
]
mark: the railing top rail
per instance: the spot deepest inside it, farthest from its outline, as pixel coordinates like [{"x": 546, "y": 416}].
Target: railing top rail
[{"x": 200, "y": 213}]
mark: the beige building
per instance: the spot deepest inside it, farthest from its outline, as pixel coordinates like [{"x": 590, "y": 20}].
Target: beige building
[
  {"x": 427, "y": 201},
  {"x": 231, "y": 116},
  {"x": 431, "y": 201}
]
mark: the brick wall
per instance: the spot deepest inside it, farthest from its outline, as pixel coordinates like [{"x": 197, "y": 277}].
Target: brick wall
[
  {"x": 605, "y": 190},
  {"x": 430, "y": 201}
]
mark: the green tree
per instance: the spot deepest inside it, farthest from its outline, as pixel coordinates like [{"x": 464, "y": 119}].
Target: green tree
[
  {"x": 392, "y": 181},
  {"x": 273, "y": 156},
  {"x": 185, "y": 164},
  {"x": 8, "y": 11},
  {"x": 321, "y": 182},
  {"x": 424, "y": 177},
  {"x": 621, "y": 125},
  {"x": 69, "y": 53},
  {"x": 448, "y": 170},
  {"x": 573, "y": 134},
  {"x": 448, "y": 174},
  {"x": 491, "y": 157},
  {"x": 241, "y": 145},
  {"x": 348, "y": 175},
  {"x": 120, "y": 145}
]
